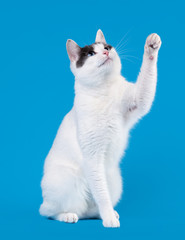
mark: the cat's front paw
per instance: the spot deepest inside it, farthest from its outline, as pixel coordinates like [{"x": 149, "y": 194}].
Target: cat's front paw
[
  {"x": 111, "y": 222},
  {"x": 152, "y": 45}
]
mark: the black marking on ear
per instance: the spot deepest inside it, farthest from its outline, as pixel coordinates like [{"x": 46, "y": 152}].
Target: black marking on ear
[{"x": 83, "y": 55}]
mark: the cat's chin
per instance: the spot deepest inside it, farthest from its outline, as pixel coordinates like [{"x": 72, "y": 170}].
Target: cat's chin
[{"x": 107, "y": 61}]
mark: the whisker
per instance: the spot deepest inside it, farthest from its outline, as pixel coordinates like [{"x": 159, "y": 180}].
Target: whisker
[
  {"x": 125, "y": 51},
  {"x": 117, "y": 46},
  {"x": 129, "y": 49},
  {"x": 131, "y": 56},
  {"x": 127, "y": 59},
  {"x": 123, "y": 45}
]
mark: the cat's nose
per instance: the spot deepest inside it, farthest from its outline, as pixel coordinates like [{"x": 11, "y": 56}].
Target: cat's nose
[{"x": 106, "y": 52}]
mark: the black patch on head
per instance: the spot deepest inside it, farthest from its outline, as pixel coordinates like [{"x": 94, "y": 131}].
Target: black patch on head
[
  {"x": 108, "y": 46},
  {"x": 105, "y": 45},
  {"x": 83, "y": 54}
]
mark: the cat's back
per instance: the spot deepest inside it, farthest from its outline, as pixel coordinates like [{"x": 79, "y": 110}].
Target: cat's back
[{"x": 65, "y": 148}]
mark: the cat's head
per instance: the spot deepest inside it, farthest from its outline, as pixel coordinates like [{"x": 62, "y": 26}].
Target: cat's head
[{"x": 93, "y": 63}]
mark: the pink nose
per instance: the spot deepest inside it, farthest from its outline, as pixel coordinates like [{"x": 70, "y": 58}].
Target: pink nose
[{"x": 106, "y": 52}]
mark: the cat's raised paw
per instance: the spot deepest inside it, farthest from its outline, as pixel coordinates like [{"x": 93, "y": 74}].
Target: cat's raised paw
[
  {"x": 112, "y": 222},
  {"x": 153, "y": 44},
  {"x": 67, "y": 217}
]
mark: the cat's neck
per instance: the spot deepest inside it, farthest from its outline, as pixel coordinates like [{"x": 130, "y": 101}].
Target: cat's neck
[{"x": 98, "y": 88}]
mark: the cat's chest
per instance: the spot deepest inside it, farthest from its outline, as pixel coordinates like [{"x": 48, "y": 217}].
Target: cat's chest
[
  {"x": 104, "y": 112},
  {"x": 101, "y": 124},
  {"x": 110, "y": 116},
  {"x": 107, "y": 116},
  {"x": 112, "y": 131},
  {"x": 101, "y": 115}
]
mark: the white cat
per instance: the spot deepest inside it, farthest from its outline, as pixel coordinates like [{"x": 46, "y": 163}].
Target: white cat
[{"x": 81, "y": 173}]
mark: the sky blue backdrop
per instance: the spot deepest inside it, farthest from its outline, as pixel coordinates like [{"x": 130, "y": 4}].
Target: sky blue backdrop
[{"x": 36, "y": 91}]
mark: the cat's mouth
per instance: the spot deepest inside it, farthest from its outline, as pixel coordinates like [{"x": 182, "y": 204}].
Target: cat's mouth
[{"x": 106, "y": 60}]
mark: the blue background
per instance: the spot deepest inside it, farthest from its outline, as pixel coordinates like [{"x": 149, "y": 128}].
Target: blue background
[{"x": 37, "y": 90}]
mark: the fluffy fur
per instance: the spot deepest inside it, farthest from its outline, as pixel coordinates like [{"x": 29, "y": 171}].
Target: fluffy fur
[{"x": 81, "y": 172}]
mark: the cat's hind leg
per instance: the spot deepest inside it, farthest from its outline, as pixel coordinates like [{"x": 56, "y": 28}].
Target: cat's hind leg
[
  {"x": 64, "y": 193},
  {"x": 47, "y": 209}
]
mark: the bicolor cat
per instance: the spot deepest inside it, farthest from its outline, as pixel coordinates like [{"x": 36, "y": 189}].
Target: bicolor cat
[{"x": 82, "y": 176}]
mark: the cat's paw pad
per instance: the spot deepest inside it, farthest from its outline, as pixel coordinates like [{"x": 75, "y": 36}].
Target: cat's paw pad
[
  {"x": 153, "y": 44},
  {"x": 111, "y": 222},
  {"x": 116, "y": 214},
  {"x": 67, "y": 217}
]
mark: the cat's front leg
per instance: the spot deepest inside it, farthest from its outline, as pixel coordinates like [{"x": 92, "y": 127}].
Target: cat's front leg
[
  {"x": 142, "y": 93},
  {"x": 147, "y": 79},
  {"x": 95, "y": 174}
]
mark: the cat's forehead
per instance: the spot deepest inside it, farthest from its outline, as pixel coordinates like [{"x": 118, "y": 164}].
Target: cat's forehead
[
  {"x": 93, "y": 47},
  {"x": 99, "y": 45},
  {"x": 84, "y": 51}
]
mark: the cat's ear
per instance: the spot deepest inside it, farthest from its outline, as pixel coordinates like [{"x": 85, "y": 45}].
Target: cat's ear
[
  {"x": 73, "y": 50},
  {"x": 100, "y": 37}
]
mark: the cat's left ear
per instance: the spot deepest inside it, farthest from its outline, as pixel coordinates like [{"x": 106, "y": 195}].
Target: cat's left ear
[
  {"x": 100, "y": 37},
  {"x": 73, "y": 50}
]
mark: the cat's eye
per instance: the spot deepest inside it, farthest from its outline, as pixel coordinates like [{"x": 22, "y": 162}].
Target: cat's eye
[
  {"x": 91, "y": 53},
  {"x": 107, "y": 48}
]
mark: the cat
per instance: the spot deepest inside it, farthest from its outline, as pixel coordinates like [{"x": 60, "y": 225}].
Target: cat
[{"x": 82, "y": 177}]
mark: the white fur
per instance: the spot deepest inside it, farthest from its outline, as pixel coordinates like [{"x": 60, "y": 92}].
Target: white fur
[{"x": 81, "y": 173}]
